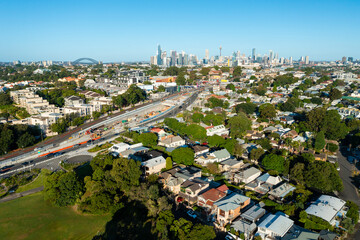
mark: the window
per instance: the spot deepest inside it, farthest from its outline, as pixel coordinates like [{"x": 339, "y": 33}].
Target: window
[{"x": 222, "y": 213}]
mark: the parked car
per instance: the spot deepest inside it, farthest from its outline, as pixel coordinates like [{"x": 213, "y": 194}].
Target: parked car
[{"x": 191, "y": 214}]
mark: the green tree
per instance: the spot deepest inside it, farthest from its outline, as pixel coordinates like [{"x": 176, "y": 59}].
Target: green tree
[
  {"x": 231, "y": 86},
  {"x": 238, "y": 125},
  {"x": 6, "y": 140},
  {"x": 320, "y": 141},
  {"x": 161, "y": 88},
  {"x": 238, "y": 150},
  {"x": 62, "y": 189},
  {"x": 169, "y": 163},
  {"x": 248, "y": 108},
  {"x": 205, "y": 71},
  {"x": 197, "y": 117},
  {"x": 148, "y": 139},
  {"x": 202, "y": 232},
  {"x": 267, "y": 111},
  {"x": 196, "y": 132},
  {"x": 25, "y": 140},
  {"x": 126, "y": 173},
  {"x": 237, "y": 71},
  {"x": 216, "y": 141},
  {"x": 334, "y": 94},
  {"x": 183, "y": 156},
  {"x": 180, "y": 80},
  {"x": 256, "y": 154},
  {"x": 287, "y": 107},
  {"x": 5, "y": 99},
  {"x": 273, "y": 162}
]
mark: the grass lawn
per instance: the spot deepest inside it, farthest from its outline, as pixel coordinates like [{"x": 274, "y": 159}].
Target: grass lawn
[
  {"x": 100, "y": 147},
  {"x": 38, "y": 182},
  {"x": 31, "y": 217}
]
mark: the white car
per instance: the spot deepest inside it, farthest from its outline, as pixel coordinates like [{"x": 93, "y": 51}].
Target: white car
[{"x": 191, "y": 214}]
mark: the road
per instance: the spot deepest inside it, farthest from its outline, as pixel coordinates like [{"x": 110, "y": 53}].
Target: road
[
  {"x": 52, "y": 163},
  {"x": 22, "y": 194},
  {"x": 350, "y": 191},
  {"x": 62, "y": 137}
]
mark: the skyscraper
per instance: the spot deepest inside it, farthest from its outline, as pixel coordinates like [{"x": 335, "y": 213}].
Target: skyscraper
[
  {"x": 173, "y": 58},
  {"x": 159, "y": 56},
  {"x": 207, "y": 54},
  {"x": 253, "y": 54},
  {"x": 306, "y": 59},
  {"x": 271, "y": 56},
  {"x": 220, "y": 50},
  {"x": 290, "y": 60}
]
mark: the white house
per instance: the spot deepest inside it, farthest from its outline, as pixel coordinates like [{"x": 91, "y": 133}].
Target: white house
[
  {"x": 275, "y": 226},
  {"x": 327, "y": 208},
  {"x": 154, "y": 165},
  {"x": 218, "y": 130}
]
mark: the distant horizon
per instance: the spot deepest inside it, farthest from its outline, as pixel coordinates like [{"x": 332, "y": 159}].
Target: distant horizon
[{"x": 129, "y": 31}]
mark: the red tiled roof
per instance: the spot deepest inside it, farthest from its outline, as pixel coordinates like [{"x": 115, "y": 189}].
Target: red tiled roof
[
  {"x": 223, "y": 188},
  {"x": 157, "y": 130},
  {"x": 213, "y": 195}
]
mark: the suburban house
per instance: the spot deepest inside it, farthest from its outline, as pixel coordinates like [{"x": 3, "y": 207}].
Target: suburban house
[
  {"x": 154, "y": 165},
  {"x": 275, "y": 226},
  {"x": 247, "y": 175},
  {"x": 245, "y": 227},
  {"x": 264, "y": 183},
  {"x": 173, "y": 178},
  {"x": 299, "y": 233},
  {"x": 282, "y": 190},
  {"x": 172, "y": 141},
  {"x": 230, "y": 165},
  {"x": 190, "y": 189},
  {"x": 73, "y": 100},
  {"x": 160, "y": 132},
  {"x": 229, "y": 207},
  {"x": 200, "y": 149},
  {"x": 219, "y": 130},
  {"x": 327, "y": 208},
  {"x": 208, "y": 198},
  {"x": 221, "y": 155},
  {"x": 253, "y": 214}
]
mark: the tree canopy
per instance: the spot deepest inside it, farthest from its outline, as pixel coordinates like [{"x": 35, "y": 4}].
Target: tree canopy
[{"x": 183, "y": 156}]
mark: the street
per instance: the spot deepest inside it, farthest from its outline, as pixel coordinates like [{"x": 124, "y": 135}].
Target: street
[{"x": 350, "y": 191}]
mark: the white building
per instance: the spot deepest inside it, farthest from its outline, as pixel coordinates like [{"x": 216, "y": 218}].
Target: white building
[
  {"x": 327, "y": 208},
  {"x": 275, "y": 226}
]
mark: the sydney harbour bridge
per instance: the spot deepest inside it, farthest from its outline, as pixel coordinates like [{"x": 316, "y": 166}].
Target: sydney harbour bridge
[{"x": 85, "y": 61}]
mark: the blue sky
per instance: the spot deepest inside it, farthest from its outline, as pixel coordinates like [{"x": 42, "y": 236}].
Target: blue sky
[{"x": 130, "y": 30}]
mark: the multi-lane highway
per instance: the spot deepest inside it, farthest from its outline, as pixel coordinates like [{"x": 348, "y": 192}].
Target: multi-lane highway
[{"x": 53, "y": 159}]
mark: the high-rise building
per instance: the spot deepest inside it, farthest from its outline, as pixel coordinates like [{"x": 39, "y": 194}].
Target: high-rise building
[
  {"x": 153, "y": 60},
  {"x": 290, "y": 60},
  {"x": 350, "y": 59},
  {"x": 343, "y": 59},
  {"x": 173, "y": 58},
  {"x": 159, "y": 56},
  {"x": 302, "y": 59},
  {"x": 306, "y": 59},
  {"x": 207, "y": 54},
  {"x": 271, "y": 56},
  {"x": 276, "y": 56},
  {"x": 253, "y": 54},
  {"x": 220, "y": 50}
]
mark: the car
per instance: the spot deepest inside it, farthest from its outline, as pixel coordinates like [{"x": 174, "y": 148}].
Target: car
[
  {"x": 58, "y": 154},
  {"x": 191, "y": 214}
]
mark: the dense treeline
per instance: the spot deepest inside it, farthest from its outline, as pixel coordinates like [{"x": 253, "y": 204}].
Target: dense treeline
[
  {"x": 113, "y": 186},
  {"x": 25, "y": 73},
  {"x": 133, "y": 95},
  {"x": 17, "y": 136}
]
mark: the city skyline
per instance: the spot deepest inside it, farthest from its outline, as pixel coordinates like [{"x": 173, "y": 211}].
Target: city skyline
[{"x": 113, "y": 31}]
